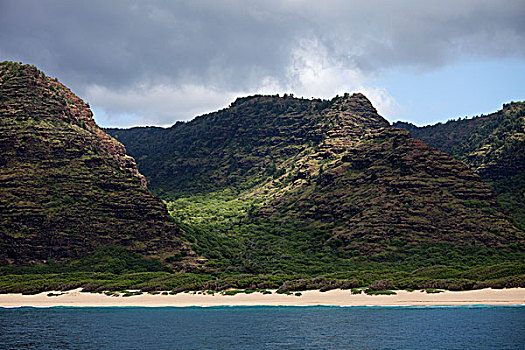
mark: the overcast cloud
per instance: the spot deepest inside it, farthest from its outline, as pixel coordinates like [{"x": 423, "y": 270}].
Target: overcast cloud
[{"x": 155, "y": 62}]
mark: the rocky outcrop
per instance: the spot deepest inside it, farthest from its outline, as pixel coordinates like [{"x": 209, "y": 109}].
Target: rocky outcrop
[{"x": 66, "y": 187}]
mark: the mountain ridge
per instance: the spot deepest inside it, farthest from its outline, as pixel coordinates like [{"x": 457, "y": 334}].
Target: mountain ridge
[
  {"x": 333, "y": 169},
  {"x": 492, "y": 145}
]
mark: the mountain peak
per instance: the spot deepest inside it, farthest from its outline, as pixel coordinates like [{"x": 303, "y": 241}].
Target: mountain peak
[
  {"x": 356, "y": 96},
  {"x": 330, "y": 175},
  {"x": 356, "y": 101},
  {"x": 37, "y": 96},
  {"x": 30, "y": 95},
  {"x": 356, "y": 110}
]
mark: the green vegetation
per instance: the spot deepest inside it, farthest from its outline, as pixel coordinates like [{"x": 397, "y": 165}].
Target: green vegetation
[
  {"x": 105, "y": 259},
  {"x": 277, "y": 185},
  {"x": 240, "y": 243},
  {"x": 434, "y": 290},
  {"x": 271, "y": 193},
  {"x": 429, "y": 279},
  {"x": 369, "y": 291}
]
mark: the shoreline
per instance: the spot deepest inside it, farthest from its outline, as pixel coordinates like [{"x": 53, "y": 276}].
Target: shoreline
[{"x": 338, "y": 297}]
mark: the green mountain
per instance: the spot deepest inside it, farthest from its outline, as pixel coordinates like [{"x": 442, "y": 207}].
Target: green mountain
[
  {"x": 272, "y": 192},
  {"x": 280, "y": 184},
  {"x": 66, "y": 187},
  {"x": 493, "y": 146}
]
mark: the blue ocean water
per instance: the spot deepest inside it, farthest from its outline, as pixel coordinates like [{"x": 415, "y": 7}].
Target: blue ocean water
[{"x": 264, "y": 328}]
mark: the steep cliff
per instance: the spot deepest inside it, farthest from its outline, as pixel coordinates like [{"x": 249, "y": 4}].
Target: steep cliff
[{"x": 66, "y": 187}]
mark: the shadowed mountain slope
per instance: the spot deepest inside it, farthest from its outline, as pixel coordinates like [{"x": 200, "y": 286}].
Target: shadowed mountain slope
[{"x": 493, "y": 146}]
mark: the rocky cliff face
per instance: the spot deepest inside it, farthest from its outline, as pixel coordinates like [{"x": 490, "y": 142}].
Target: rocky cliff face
[
  {"x": 387, "y": 189},
  {"x": 66, "y": 187},
  {"x": 493, "y": 146},
  {"x": 373, "y": 186}
]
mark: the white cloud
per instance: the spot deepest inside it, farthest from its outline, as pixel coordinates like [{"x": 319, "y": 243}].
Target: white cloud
[
  {"x": 159, "y": 61},
  {"x": 314, "y": 72},
  {"x": 159, "y": 105}
]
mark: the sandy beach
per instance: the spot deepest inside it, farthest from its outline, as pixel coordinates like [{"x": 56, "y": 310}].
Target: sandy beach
[{"x": 511, "y": 296}]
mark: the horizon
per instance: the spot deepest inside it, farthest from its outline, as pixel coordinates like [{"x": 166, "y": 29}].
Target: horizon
[
  {"x": 157, "y": 63},
  {"x": 167, "y": 126}
]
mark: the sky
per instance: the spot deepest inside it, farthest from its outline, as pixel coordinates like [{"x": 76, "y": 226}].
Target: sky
[{"x": 158, "y": 62}]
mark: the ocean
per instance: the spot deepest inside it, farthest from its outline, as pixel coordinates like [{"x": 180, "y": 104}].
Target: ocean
[{"x": 463, "y": 327}]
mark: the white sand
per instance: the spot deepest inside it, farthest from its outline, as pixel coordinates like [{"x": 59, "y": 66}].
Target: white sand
[{"x": 511, "y": 296}]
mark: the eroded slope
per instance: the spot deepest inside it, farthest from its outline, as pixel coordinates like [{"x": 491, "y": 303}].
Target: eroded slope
[{"x": 66, "y": 187}]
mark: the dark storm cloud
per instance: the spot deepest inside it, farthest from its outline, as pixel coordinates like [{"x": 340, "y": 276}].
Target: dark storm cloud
[
  {"x": 233, "y": 46},
  {"x": 119, "y": 42}
]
